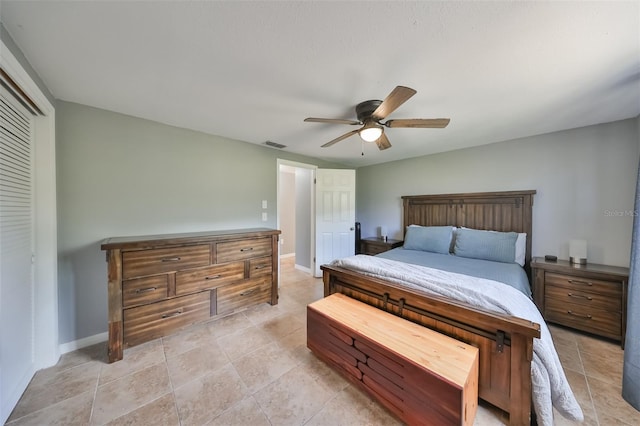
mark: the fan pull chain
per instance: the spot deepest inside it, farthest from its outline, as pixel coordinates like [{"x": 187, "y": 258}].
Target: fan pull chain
[{"x": 362, "y": 143}]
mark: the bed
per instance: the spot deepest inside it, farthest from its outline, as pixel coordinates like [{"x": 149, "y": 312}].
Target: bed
[{"x": 505, "y": 342}]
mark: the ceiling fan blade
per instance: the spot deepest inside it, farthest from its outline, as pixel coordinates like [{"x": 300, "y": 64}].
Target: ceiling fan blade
[
  {"x": 339, "y": 138},
  {"x": 397, "y": 97},
  {"x": 382, "y": 142},
  {"x": 331, "y": 120},
  {"x": 432, "y": 123}
]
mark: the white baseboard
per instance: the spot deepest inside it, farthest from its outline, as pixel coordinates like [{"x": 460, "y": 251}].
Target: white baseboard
[
  {"x": 284, "y": 256},
  {"x": 302, "y": 268},
  {"x": 84, "y": 342}
]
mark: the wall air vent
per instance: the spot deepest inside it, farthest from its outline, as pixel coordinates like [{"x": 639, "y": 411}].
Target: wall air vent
[{"x": 275, "y": 145}]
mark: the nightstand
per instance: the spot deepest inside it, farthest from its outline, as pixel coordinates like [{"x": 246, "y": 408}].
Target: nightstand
[
  {"x": 591, "y": 297},
  {"x": 372, "y": 246}
]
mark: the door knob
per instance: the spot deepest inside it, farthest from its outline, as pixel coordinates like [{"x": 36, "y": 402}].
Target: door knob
[{"x": 352, "y": 228}]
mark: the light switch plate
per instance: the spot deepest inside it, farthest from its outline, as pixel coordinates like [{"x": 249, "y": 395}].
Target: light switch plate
[
  {"x": 264, "y": 204},
  {"x": 264, "y": 216}
]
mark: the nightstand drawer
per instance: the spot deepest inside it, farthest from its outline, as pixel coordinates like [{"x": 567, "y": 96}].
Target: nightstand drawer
[
  {"x": 612, "y": 289},
  {"x": 585, "y": 318},
  {"x": 565, "y": 295}
]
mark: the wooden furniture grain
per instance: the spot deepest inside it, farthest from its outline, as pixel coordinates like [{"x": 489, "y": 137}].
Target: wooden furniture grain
[
  {"x": 505, "y": 342},
  {"x": 373, "y": 246},
  {"x": 422, "y": 376},
  {"x": 159, "y": 284},
  {"x": 590, "y": 298}
]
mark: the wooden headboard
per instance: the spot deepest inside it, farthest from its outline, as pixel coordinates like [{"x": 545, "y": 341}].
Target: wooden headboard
[{"x": 508, "y": 211}]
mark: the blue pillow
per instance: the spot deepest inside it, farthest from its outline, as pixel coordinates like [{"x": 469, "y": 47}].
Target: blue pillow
[
  {"x": 436, "y": 239},
  {"x": 487, "y": 245}
]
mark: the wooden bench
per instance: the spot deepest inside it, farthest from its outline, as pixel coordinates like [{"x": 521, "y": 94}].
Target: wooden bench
[{"x": 423, "y": 377}]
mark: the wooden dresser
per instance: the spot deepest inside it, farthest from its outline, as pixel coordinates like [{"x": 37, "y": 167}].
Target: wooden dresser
[
  {"x": 591, "y": 297},
  {"x": 373, "y": 246},
  {"x": 159, "y": 284}
]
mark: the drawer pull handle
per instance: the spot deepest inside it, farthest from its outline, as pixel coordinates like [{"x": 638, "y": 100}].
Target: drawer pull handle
[
  {"x": 173, "y": 314},
  {"x": 246, "y": 249},
  {"x": 145, "y": 290},
  {"x": 247, "y": 293},
  {"x": 170, "y": 259},
  {"x": 581, "y": 282},
  {"x": 580, "y": 296},
  {"x": 260, "y": 267},
  {"x": 213, "y": 277},
  {"x": 579, "y": 316}
]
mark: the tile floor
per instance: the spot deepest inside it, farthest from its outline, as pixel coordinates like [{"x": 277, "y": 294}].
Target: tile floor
[{"x": 253, "y": 368}]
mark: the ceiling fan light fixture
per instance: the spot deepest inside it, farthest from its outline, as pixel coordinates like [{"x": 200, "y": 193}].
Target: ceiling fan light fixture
[{"x": 371, "y": 132}]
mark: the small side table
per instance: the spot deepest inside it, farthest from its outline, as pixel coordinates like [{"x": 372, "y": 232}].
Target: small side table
[
  {"x": 373, "y": 246},
  {"x": 591, "y": 297}
]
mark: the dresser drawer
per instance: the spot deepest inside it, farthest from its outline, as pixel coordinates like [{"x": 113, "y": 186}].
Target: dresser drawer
[
  {"x": 230, "y": 251},
  {"x": 199, "y": 279},
  {"x": 140, "y": 291},
  {"x": 240, "y": 295},
  {"x": 159, "y": 319},
  {"x": 260, "y": 267},
  {"x": 589, "y": 319},
  {"x": 611, "y": 289},
  {"x": 580, "y": 295},
  {"x": 157, "y": 261}
]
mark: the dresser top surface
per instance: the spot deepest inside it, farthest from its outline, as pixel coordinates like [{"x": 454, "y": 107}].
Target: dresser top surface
[
  {"x": 564, "y": 266},
  {"x": 187, "y": 237}
]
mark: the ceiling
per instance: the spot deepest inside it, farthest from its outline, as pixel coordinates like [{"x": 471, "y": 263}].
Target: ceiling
[{"x": 252, "y": 71}]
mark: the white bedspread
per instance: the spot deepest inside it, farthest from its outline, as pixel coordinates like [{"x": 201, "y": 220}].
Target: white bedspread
[{"x": 550, "y": 387}]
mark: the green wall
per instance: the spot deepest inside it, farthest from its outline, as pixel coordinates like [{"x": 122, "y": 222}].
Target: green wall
[
  {"x": 119, "y": 175},
  {"x": 585, "y": 180}
]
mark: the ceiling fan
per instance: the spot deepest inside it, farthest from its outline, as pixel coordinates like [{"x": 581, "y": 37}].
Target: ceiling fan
[{"x": 371, "y": 113}]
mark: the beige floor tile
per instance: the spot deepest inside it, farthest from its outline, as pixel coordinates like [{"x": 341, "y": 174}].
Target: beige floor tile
[
  {"x": 294, "y": 342},
  {"x": 352, "y": 406},
  {"x": 205, "y": 398},
  {"x": 135, "y": 359},
  {"x": 161, "y": 412},
  {"x": 294, "y": 398},
  {"x": 69, "y": 412},
  {"x": 187, "y": 339},
  {"x": 488, "y": 415},
  {"x": 228, "y": 324},
  {"x": 603, "y": 365},
  {"x": 196, "y": 363},
  {"x": 569, "y": 355},
  {"x": 47, "y": 389},
  {"x": 263, "y": 366},
  {"x": 595, "y": 345},
  {"x": 282, "y": 325},
  {"x": 93, "y": 353},
  {"x": 263, "y": 312},
  {"x": 128, "y": 393},
  {"x": 608, "y": 402},
  {"x": 243, "y": 342},
  {"x": 245, "y": 413}
]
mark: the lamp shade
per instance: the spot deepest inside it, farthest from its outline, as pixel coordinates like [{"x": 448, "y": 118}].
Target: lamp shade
[
  {"x": 371, "y": 132},
  {"x": 578, "y": 252}
]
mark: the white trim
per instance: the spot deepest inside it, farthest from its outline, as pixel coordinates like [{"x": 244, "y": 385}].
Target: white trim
[
  {"x": 302, "y": 268},
  {"x": 46, "y": 253},
  {"x": 84, "y": 342},
  {"x": 285, "y": 256}
]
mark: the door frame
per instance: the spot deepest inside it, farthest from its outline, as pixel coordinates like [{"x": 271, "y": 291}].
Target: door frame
[
  {"x": 312, "y": 207},
  {"x": 45, "y": 315}
]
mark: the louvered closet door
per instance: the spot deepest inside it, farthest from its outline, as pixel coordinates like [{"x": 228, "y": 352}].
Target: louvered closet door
[{"x": 16, "y": 248}]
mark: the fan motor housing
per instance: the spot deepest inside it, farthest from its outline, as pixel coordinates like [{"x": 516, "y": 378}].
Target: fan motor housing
[{"x": 364, "y": 110}]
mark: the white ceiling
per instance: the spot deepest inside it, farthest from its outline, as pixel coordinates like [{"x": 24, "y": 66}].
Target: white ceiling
[{"x": 252, "y": 71}]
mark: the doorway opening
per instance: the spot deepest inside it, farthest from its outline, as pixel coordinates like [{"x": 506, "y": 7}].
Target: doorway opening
[{"x": 296, "y": 213}]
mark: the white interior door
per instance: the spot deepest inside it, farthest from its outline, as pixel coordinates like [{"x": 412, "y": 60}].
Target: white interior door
[
  {"x": 335, "y": 215},
  {"x": 17, "y": 356}
]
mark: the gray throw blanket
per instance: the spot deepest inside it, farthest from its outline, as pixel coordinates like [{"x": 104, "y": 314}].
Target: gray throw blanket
[{"x": 549, "y": 383}]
